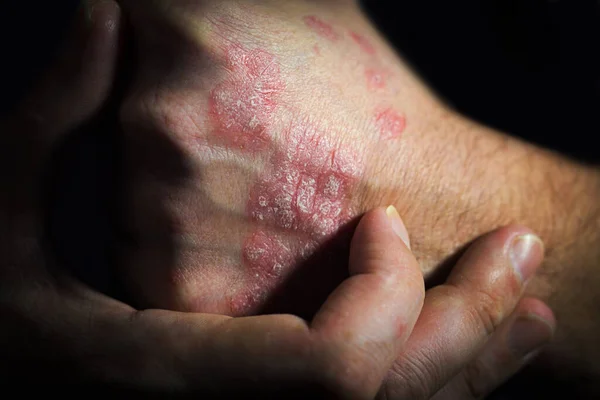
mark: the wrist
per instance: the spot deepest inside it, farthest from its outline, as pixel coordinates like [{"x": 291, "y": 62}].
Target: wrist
[
  {"x": 570, "y": 277},
  {"x": 459, "y": 180}
]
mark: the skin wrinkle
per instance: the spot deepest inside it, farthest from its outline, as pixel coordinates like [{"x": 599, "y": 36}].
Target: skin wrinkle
[
  {"x": 442, "y": 164},
  {"x": 414, "y": 371},
  {"x": 181, "y": 335}
]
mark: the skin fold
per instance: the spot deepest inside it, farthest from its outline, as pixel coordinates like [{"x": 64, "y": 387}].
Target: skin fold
[{"x": 258, "y": 132}]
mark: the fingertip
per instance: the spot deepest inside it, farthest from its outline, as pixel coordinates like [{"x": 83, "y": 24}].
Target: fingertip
[
  {"x": 536, "y": 308},
  {"x": 380, "y": 236},
  {"x": 526, "y": 253},
  {"x": 518, "y": 341},
  {"x": 522, "y": 247},
  {"x": 102, "y": 15},
  {"x": 100, "y": 55},
  {"x": 398, "y": 225},
  {"x": 103, "y": 19},
  {"x": 527, "y": 335},
  {"x": 374, "y": 311},
  {"x": 376, "y": 217},
  {"x": 383, "y": 221},
  {"x": 514, "y": 246}
]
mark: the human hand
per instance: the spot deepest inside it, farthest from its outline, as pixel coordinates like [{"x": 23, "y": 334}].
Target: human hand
[
  {"x": 465, "y": 341},
  {"x": 451, "y": 179},
  {"x": 56, "y": 330}
]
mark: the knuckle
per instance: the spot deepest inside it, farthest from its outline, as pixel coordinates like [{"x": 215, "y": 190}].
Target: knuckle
[
  {"x": 351, "y": 373},
  {"x": 487, "y": 310},
  {"x": 411, "y": 379},
  {"x": 476, "y": 377}
]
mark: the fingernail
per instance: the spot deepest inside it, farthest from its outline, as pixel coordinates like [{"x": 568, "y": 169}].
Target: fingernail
[
  {"x": 398, "y": 225},
  {"x": 89, "y": 6},
  {"x": 528, "y": 334},
  {"x": 526, "y": 253}
]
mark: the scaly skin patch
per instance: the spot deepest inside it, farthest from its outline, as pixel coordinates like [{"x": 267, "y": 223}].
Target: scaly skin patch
[
  {"x": 269, "y": 183},
  {"x": 363, "y": 43},
  {"x": 267, "y": 257},
  {"x": 242, "y": 106},
  {"x": 376, "y": 79},
  {"x": 390, "y": 123},
  {"x": 301, "y": 199},
  {"x": 321, "y": 28},
  {"x": 304, "y": 192}
]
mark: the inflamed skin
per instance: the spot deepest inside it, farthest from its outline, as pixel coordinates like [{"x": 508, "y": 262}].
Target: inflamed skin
[
  {"x": 274, "y": 186},
  {"x": 258, "y": 131}
]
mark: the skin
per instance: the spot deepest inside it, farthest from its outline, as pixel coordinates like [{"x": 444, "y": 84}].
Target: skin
[
  {"x": 214, "y": 140},
  {"x": 57, "y": 331}
]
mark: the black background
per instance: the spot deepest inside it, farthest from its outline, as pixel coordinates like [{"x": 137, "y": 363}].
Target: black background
[{"x": 528, "y": 67}]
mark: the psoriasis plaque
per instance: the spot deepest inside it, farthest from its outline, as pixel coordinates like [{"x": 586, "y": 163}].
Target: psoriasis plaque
[{"x": 302, "y": 196}]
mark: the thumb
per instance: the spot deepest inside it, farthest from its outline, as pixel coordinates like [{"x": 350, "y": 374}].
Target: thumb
[
  {"x": 374, "y": 311},
  {"x": 376, "y": 240}
]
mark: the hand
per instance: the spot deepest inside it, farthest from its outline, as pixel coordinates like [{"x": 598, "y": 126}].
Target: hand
[
  {"x": 219, "y": 103},
  {"x": 465, "y": 343},
  {"x": 57, "y": 331}
]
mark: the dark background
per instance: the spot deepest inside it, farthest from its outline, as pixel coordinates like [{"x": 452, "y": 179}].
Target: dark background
[{"x": 528, "y": 67}]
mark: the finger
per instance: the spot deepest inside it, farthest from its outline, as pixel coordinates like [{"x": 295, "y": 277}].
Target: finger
[
  {"x": 73, "y": 89},
  {"x": 371, "y": 314},
  {"x": 459, "y": 317},
  {"x": 95, "y": 339},
  {"x": 516, "y": 343},
  {"x": 79, "y": 82},
  {"x": 354, "y": 337}
]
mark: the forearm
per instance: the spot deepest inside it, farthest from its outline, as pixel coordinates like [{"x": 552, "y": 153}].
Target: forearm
[
  {"x": 560, "y": 199},
  {"x": 477, "y": 180},
  {"x": 312, "y": 91},
  {"x": 570, "y": 278}
]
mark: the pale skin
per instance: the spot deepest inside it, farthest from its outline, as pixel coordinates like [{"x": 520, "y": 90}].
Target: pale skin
[
  {"x": 323, "y": 67},
  {"x": 56, "y": 330}
]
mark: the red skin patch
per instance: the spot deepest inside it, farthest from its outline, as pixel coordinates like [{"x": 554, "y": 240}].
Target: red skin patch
[
  {"x": 317, "y": 50},
  {"x": 300, "y": 201},
  {"x": 321, "y": 28},
  {"x": 301, "y": 196},
  {"x": 241, "y": 107},
  {"x": 376, "y": 79},
  {"x": 363, "y": 42},
  {"x": 391, "y": 124},
  {"x": 266, "y": 257}
]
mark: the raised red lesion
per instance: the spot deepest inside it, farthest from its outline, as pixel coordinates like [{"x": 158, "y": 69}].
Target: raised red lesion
[
  {"x": 302, "y": 196},
  {"x": 300, "y": 201},
  {"x": 321, "y": 28},
  {"x": 363, "y": 43},
  {"x": 391, "y": 124},
  {"x": 376, "y": 78},
  {"x": 241, "y": 107}
]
